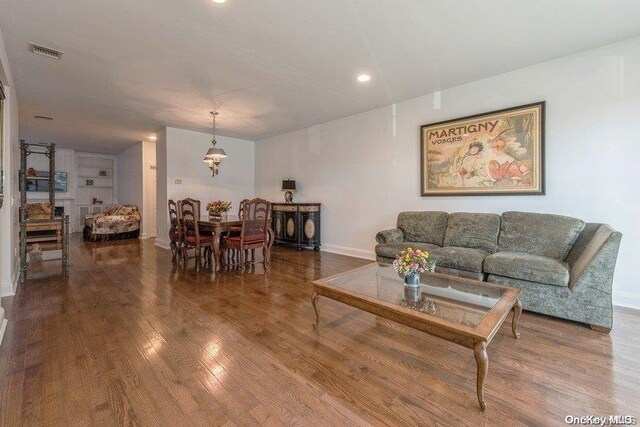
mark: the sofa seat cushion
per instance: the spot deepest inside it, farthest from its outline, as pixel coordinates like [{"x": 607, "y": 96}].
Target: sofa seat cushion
[
  {"x": 532, "y": 268},
  {"x": 423, "y": 227},
  {"x": 539, "y": 234},
  {"x": 467, "y": 259},
  {"x": 473, "y": 230},
  {"x": 391, "y": 250}
]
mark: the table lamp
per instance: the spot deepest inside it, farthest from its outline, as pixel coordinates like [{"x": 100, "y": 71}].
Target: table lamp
[{"x": 288, "y": 186}]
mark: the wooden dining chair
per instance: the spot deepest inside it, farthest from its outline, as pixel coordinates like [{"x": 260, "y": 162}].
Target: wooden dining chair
[
  {"x": 233, "y": 255},
  {"x": 192, "y": 236},
  {"x": 254, "y": 233},
  {"x": 174, "y": 232}
]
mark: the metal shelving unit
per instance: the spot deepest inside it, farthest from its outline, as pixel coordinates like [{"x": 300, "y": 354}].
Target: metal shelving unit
[{"x": 55, "y": 225}]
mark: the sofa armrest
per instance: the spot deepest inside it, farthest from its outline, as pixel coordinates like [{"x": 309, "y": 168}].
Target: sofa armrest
[
  {"x": 596, "y": 264},
  {"x": 394, "y": 235}
]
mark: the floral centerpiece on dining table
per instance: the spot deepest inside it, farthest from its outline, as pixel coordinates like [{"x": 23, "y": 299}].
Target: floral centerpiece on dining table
[
  {"x": 218, "y": 209},
  {"x": 411, "y": 262}
]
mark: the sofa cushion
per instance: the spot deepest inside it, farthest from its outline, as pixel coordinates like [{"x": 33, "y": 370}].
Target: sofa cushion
[
  {"x": 473, "y": 230},
  {"x": 423, "y": 227},
  {"x": 468, "y": 259},
  {"x": 533, "y": 268},
  {"x": 390, "y": 250},
  {"x": 539, "y": 234},
  {"x": 126, "y": 210},
  {"x": 390, "y": 236}
]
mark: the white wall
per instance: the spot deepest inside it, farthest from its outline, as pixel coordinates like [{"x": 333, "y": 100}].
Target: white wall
[
  {"x": 130, "y": 176},
  {"x": 8, "y": 213},
  {"x": 133, "y": 177},
  {"x": 162, "y": 216},
  {"x": 184, "y": 152},
  {"x": 149, "y": 198},
  {"x": 364, "y": 173}
]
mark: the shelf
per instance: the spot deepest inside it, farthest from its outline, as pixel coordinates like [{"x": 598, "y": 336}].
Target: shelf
[{"x": 46, "y": 247}]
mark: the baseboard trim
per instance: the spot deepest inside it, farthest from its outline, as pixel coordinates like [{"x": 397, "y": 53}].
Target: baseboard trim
[
  {"x": 3, "y": 326},
  {"x": 162, "y": 244},
  {"x": 626, "y": 299},
  {"x": 8, "y": 289},
  {"x": 353, "y": 252}
]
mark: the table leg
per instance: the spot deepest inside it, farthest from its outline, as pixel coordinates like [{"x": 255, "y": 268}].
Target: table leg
[
  {"x": 480, "y": 353},
  {"x": 314, "y": 301},
  {"x": 216, "y": 249},
  {"x": 517, "y": 311}
]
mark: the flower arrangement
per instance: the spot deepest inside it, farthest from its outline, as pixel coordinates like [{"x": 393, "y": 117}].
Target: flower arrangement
[
  {"x": 413, "y": 261},
  {"x": 219, "y": 206}
]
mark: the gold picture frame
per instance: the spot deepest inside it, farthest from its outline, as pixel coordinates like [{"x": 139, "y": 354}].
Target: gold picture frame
[{"x": 496, "y": 153}]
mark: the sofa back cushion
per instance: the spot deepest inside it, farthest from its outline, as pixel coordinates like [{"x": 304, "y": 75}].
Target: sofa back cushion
[
  {"x": 539, "y": 234},
  {"x": 473, "y": 230},
  {"x": 126, "y": 210},
  {"x": 424, "y": 227},
  {"x": 112, "y": 210}
]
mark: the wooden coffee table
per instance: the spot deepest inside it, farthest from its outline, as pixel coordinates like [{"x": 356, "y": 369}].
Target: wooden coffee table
[{"x": 464, "y": 311}]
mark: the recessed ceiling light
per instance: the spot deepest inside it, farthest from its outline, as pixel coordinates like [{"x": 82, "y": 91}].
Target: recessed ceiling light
[
  {"x": 153, "y": 137},
  {"x": 218, "y": 1},
  {"x": 364, "y": 78}
]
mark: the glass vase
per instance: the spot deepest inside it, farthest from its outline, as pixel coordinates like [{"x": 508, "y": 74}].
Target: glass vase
[{"x": 412, "y": 279}]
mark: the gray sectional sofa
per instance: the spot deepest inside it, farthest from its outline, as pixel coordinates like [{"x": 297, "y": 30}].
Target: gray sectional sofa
[{"x": 563, "y": 265}]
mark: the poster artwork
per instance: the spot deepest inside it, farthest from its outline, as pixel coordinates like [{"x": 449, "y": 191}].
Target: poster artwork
[{"x": 494, "y": 153}]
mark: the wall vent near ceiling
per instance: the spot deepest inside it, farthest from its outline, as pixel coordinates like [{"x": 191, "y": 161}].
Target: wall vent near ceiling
[
  {"x": 45, "y": 51},
  {"x": 43, "y": 117}
]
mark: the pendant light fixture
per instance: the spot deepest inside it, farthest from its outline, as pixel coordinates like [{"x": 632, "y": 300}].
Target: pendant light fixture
[{"x": 214, "y": 156}]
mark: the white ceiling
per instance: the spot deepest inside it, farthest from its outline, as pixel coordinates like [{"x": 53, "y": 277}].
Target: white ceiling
[{"x": 270, "y": 66}]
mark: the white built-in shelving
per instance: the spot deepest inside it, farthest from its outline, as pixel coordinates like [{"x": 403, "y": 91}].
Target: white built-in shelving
[{"x": 96, "y": 181}]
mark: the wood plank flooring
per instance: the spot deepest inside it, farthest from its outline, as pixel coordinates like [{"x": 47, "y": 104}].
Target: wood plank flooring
[{"x": 130, "y": 340}]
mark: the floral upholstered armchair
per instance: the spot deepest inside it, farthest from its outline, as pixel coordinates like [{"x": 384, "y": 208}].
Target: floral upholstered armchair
[{"x": 117, "y": 222}]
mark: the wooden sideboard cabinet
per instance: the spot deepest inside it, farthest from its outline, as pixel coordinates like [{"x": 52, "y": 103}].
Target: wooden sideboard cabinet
[{"x": 297, "y": 224}]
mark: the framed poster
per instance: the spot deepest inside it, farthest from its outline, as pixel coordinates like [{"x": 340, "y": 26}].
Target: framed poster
[{"x": 495, "y": 153}]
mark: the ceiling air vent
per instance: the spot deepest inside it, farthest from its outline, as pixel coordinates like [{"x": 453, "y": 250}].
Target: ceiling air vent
[{"x": 45, "y": 51}]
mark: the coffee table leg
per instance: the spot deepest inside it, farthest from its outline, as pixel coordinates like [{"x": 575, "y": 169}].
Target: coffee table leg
[
  {"x": 480, "y": 352},
  {"x": 517, "y": 311},
  {"x": 314, "y": 298}
]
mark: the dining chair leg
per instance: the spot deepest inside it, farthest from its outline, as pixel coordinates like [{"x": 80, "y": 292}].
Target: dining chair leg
[
  {"x": 265, "y": 257},
  {"x": 185, "y": 256},
  {"x": 173, "y": 247},
  {"x": 198, "y": 258}
]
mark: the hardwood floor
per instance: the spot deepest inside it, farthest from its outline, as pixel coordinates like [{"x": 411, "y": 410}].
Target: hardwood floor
[{"x": 128, "y": 339}]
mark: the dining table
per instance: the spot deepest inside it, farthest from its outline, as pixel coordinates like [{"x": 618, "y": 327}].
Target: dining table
[{"x": 218, "y": 228}]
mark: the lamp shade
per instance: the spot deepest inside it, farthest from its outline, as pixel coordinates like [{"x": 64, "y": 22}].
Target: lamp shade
[
  {"x": 288, "y": 185},
  {"x": 215, "y": 152}
]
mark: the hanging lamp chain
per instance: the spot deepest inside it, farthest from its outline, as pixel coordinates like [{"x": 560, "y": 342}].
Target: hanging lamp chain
[{"x": 214, "y": 114}]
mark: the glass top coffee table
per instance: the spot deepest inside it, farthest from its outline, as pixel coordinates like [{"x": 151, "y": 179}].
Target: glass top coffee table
[{"x": 464, "y": 311}]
